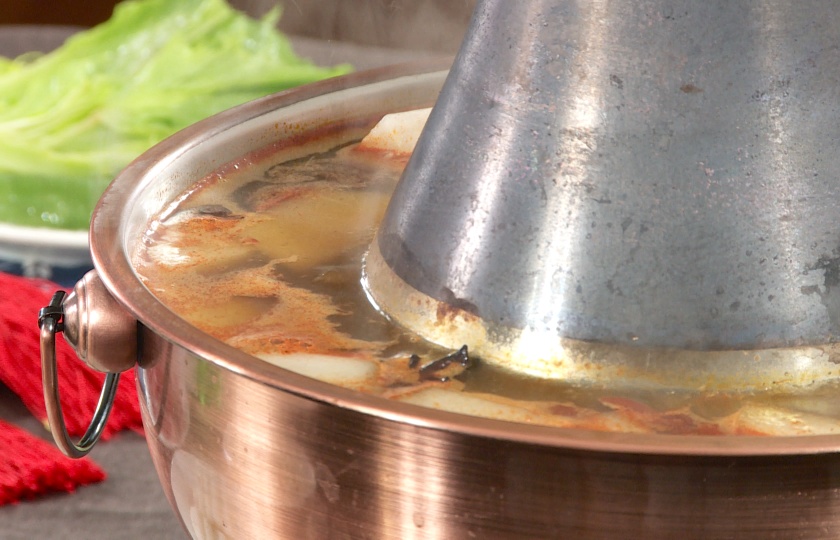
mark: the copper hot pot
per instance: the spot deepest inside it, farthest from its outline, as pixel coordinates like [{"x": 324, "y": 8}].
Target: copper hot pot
[{"x": 245, "y": 449}]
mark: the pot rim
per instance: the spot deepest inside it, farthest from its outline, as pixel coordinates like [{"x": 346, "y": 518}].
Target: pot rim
[{"x": 108, "y": 237}]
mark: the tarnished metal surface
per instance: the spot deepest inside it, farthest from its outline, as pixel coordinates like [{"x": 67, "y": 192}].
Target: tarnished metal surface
[
  {"x": 651, "y": 173},
  {"x": 614, "y": 365}
]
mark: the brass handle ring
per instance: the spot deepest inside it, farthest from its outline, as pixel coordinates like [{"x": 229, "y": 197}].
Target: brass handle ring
[{"x": 50, "y": 321}]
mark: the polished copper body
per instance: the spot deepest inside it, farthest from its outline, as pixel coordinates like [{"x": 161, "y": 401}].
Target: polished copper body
[
  {"x": 247, "y": 450},
  {"x": 264, "y": 461}
]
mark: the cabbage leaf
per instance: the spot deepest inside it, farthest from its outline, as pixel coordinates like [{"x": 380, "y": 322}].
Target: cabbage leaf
[{"x": 71, "y": 119}]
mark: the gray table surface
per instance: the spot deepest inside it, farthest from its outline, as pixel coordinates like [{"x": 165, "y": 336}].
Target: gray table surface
[{"x": 130, "y": 503}]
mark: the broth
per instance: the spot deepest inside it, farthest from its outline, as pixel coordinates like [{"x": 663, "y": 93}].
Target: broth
[{"x": 280, "y": 240}]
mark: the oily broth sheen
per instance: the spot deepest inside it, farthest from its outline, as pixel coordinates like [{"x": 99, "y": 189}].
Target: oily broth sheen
[{"x": 280, "y": 241}]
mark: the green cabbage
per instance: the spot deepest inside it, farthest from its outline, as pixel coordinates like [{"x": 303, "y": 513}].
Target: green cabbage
[{"x": 71, "y": 119}]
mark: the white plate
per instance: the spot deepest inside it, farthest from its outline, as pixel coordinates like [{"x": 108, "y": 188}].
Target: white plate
[{"x": 37, "y": 250}]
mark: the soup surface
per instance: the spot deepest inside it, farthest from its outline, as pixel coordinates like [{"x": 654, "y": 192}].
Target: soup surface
[{"x": 279, "y": 240}]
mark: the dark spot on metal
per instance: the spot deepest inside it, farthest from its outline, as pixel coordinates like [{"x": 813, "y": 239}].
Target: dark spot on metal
[
  {"x": 690, "y": 89},
  {"x": 734, "y": 306},
  {"x": 831, "y": 270},
  {"x": 613, "y": 289},
  {"x": 449, "y": 298}
]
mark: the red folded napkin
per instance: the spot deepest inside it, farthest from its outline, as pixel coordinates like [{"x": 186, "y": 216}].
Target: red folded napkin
[{"x": 29, "y": 466}]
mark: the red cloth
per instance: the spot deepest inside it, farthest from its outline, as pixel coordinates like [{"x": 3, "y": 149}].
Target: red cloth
[{"x": 30, "y": 466}]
